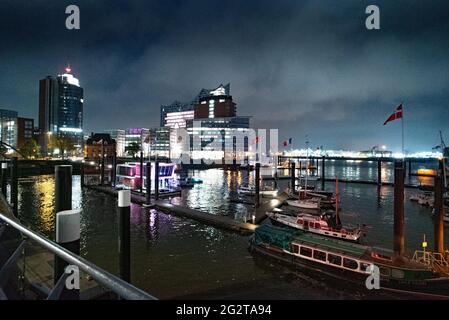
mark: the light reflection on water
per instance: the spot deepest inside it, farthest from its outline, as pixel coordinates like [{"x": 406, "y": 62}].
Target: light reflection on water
[{"x": 174, "y": 256}]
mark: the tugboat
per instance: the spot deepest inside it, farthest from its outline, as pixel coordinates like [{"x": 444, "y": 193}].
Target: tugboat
[
  {"x": 328, "y": 224},
  {"x": 422, "y": 276}
]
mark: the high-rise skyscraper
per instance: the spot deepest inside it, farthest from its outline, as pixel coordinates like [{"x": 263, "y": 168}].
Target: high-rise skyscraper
[{"x": 61, "y": 109}]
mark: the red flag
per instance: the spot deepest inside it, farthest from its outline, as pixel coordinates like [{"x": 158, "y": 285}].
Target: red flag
[
  {"x": 396, "y": 115},
  {"x": 285, "y": 143}
]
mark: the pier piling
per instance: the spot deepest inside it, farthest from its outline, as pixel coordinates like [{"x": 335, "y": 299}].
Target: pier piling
[
  {"x": 323, "y": 173},
  {"x": 82, "y": 174},
  {"x": 399, "y": 241},
  {"x": 141, "y": 172},
  {"x": 379, "y": 172},
  {"x": 292, "y": 175},
  {"x": 14, "y": 188},
  {"x": 439, "y": 215},
  {"x": 124, "y": 241},
  {"x": 67, "y": 232},
  {"x": 102, "y": 164},
  {"x": 63, "y": 188},
  {"x": 156, "y": 180},
  {"x": 148, "y": 184},
  {"x": 4, "y": 178},
  {"x": 114, "y": 169},
  {"x": 257, "y": 186}
]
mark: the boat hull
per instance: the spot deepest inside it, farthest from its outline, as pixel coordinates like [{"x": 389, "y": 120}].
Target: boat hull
[{"x": 423, "y": 289}]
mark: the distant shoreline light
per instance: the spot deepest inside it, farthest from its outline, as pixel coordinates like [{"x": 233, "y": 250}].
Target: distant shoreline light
[{"x": 361, "y": 154}]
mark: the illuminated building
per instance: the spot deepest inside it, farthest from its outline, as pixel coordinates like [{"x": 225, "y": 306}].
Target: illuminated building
[
  {"x": 8, "y": 127},
  {"x": 119, "y": 136},
  {"x": 97, "y": 145},
  {"x": 61, "y": 109},
  {"x": 159, "y": 142},
  {"x": 136, "y": 135}
]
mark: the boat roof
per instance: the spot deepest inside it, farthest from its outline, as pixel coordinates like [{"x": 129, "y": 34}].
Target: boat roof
[{"x": 332, "y": 244}]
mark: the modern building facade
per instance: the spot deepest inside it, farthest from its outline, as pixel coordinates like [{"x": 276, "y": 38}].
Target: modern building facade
[
  {"x": 215, "y": 131},
  {"x": 159, "y": 142},
  {"x": 61, "y": 104},
  {"x": 136, "y": 135},
  {"x": 8, "y": 128},
  {"x": 25, "y": 130},
  {"x": 119, "y": 136}
]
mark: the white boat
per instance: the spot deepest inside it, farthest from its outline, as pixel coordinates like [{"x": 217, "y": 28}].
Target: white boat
[
  {"x": 310, "y": 204},
  {"x": 327, "y": 225},
  {"x": 250, "y": 190}
]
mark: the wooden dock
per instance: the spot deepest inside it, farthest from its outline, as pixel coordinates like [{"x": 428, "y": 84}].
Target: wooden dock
[{"x": 221, "y": 222}]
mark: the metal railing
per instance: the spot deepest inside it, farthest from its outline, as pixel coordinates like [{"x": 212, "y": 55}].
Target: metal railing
[{"x": 122, "y": 288}]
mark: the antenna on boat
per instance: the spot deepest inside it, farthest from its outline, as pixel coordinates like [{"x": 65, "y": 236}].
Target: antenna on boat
[
  {"x": 424, "y": 244},
  {"x": 336, "y": 197}
]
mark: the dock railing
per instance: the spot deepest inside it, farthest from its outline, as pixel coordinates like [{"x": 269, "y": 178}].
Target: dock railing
[{"x": 111, "y": 283}]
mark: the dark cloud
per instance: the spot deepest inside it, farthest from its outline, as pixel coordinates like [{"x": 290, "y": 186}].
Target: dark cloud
[{"x": 305, "y": 67}]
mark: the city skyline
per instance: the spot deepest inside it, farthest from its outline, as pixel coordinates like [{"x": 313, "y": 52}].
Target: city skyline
[{"x": 316, "y": 72}]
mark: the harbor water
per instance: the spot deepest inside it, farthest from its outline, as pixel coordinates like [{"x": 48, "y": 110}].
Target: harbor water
[{"x": 176, "y": 257}]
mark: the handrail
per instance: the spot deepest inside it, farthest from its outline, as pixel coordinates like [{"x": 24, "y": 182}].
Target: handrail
[{"x": 106, "y": 279}]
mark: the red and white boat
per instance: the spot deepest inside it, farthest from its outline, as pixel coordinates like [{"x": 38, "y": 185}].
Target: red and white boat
[{"x": 327, "y": 224}]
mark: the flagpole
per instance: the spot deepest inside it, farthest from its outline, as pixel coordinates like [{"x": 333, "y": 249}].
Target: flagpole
[{"x": 402, "y": 125}]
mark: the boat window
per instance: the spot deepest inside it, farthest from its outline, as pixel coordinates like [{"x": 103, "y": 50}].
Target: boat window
[
  {"x": 307, "y": 252},
  {"x": 333, "y": 259},
  {"x": 300, "y": 221},
  {"x": 349, "y": 263},
  {"x": 396, "y": 273},
  {"x": 295, "y": 248},
  {"x": 365, "y": 267},
  {"x": 384, "y": 271},
  {"x": 319, "y": 255},
  {"x": 317, "y": 225}
]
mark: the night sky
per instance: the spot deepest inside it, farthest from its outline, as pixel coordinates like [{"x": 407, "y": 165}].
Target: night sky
[{"x": 304, "y": 67}]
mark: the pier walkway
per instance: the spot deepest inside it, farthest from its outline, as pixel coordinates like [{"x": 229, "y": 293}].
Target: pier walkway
[{"x": 222, "y": 222}]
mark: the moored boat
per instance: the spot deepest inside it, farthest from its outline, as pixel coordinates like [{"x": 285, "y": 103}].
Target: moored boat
[
  {"x": 307, "y": 204},
  {"x": 250, "y": 190},
  {"x": 328, "y": 224}
]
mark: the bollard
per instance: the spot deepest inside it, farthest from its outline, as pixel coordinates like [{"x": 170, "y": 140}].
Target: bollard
[
  {"x": 82, "y": 174},
  {"x": 156, "y": 180},
  {"x": 14, "y": 188},
  {"x": 63, "y": 188},
  {"x": 323, "y": 173},
  {"x": 124, "y": 241},
  {"x": 439, "y": 215},
  {"x": 67, "y": 235},
  {"x": 148, "y": 184},
  {"x": 141, "y": 172},
  {"x": 379, "y": 172},
  {"x": 399, "y": 241},
  {"x": 257, "y": 186},
  {"x": 292, "y": 176},
  {"x": 4, "y": 178}
]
